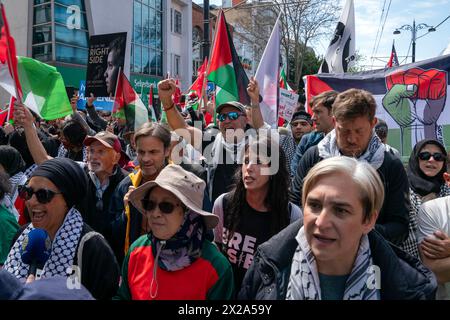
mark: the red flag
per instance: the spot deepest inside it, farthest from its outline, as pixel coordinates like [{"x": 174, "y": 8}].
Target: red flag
[
  {"x": 393, "y": 60},
  {"x": 150, "y": 96},
  {"x": 177, "y": 95},
  {"x": 8, "y": 58},
  {"x": 197, "y": 86}
]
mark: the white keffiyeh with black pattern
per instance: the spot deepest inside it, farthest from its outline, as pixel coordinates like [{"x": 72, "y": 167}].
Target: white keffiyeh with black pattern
[
  {"x": 374, "y": 154},
  {"x": 304, "y": 277},
  {"x": 63, "y": 249}
]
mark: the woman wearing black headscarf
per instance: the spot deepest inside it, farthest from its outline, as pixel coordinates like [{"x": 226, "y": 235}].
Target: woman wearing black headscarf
[
  {"x": 55, "y": 189},
  {"x": 427, "y": 164}
]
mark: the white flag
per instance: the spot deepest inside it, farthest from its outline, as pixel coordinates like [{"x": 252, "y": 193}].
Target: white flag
[
  {"x": 267, "y": 76},
  {"x": 341, "y": 51}
]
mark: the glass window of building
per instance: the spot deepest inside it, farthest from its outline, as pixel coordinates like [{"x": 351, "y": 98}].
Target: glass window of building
[
  {"x": 146, "y": 46},
  {"x": 177, "y": 21},
  {"x": 61, "y": 35}
]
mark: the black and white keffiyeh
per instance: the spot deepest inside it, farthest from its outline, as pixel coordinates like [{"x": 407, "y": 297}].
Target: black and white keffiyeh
[
  {"x": 63, "y": 152},
  {"x": 304, "y": 278},
  {"x": 9, "y": 199},
  {"x": 374, "y": 154},
  {"x": 63, "y": 249}
]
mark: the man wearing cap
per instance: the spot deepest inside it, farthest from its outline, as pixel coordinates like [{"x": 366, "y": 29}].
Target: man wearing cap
[
  {"x": 103, "y": 155},
  {"x": 300, "y": 124},
  {"x": 224, "y": 155}
]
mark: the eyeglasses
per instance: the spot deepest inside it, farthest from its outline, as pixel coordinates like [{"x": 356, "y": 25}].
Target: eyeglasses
[
  {"x": 436, "y": 156},
  {"x": 43, "y": 196},
  {"x": 230, "y": 115},
  {"x": 164, "y": 206}
]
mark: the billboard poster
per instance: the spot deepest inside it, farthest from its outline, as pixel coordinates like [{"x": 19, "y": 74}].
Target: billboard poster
[{"x": 106, "y": 58}]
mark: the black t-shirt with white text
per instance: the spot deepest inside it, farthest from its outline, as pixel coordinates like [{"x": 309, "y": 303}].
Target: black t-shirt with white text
[{"x": 252, "y": 230}]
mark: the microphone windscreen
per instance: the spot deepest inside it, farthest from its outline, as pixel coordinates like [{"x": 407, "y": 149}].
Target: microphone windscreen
[{"x": 36, "y": 248}]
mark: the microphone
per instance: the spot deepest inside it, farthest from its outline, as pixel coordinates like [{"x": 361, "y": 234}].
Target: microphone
[{"x": 36, "y": 249}]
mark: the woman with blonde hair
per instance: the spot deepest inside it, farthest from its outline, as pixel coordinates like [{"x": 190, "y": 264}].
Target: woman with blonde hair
[{"x": 336, "y": 254}]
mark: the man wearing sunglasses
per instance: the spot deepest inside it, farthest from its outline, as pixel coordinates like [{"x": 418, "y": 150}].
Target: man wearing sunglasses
[
  {"x": 223, "y": 155},
  {"x": 354, "y": 136},
  {"x": 433, "y": 230}
]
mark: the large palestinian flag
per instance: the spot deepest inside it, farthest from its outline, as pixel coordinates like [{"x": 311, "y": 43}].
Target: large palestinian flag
[
  {"x": 128, "y": 105},
  {"x": 225, "y": 69},
  {"x": 411, "y": 98}
]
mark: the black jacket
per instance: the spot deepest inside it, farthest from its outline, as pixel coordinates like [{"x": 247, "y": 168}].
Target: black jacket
[
  {"x": 100, "y": 272},
  {"x": 393, "y": 219},
  {"x": 96, "y": 215},
  {"x": 403, "y": 277}
]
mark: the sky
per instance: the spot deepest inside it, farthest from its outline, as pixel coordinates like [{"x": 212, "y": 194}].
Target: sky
[{"x": 368, "y": 14}]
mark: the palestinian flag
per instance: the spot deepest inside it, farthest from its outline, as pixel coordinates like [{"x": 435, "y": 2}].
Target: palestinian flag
[
  {"x": 411, "y": 98},
  {"x": 225, "y": 69},
  {"x": 128, "y": 105},
  {"x": 283, "y": 80},
  {"x": 43, "y": 89},
  {"x": 9, "y": 77},
  {"x": 7, "y": 113},
  {"x": 393, "y": 59}
]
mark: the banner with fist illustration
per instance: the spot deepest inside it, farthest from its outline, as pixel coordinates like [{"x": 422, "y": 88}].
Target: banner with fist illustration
[{"x": 412, "y": 98}]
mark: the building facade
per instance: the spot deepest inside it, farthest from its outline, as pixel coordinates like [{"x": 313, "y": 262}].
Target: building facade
[{"x": 159, "y": 36}]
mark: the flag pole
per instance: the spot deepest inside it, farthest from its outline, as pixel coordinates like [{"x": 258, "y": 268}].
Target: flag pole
[
  {"x": 113, "y": 111},
  {"x": 11, "y": 101},
  {"x": 5, "y": 25}
]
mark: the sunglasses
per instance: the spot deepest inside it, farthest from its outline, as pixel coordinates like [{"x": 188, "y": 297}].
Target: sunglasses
[
  {"x": 230, "y": 115},
  {"x": 436, "y": 156},
  {"x": 43, "y": 196},
  {"x": 164, "y": 206}
]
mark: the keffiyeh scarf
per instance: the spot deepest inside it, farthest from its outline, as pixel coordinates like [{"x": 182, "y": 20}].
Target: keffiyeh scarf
[
  {"x": 63, "y": 249},
  {"x": 374, "y": 154},
  {"x": 304, "y": 278},
  {"x": 184, "y": 247},
  {"x": 9, "y": 199},
  {"x": 63, "y": 152}
]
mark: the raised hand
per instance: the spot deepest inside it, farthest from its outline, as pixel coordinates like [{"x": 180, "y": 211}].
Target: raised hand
[
  {"x": 253, "y": 90},
  {"x": 166, "y": 88}
]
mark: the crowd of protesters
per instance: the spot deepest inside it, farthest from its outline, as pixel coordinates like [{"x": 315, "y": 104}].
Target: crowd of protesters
[{"x": 197, "y": 206}]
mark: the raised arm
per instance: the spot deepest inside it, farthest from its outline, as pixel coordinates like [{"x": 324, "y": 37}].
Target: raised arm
[
  {"x": 98, "y": 121},
  {"x": 253, "y": 92},
  {"x": 166, "y": 88},
  {"x": 24, "y": 118}
]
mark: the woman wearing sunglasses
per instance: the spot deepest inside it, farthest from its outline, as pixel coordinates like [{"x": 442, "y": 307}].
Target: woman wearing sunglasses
[
  {"x": 256, "y": 208},
  {"x": 174, "y": 261},
  {"x": 55, "y": 189},
  {"x": 427, "y": 164}
]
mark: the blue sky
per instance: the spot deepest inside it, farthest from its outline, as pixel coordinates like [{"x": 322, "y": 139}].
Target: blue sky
[{"x": 367, "y": 19}]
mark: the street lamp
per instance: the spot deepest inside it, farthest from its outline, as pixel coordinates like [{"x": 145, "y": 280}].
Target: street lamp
[{"x": 414, "y": 30}]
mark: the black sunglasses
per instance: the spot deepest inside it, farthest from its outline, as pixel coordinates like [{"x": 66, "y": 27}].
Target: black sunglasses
[
  {"x": 438, "y": 156},
  {"x": 42, "y": 195},
  {"x": 164, "y": 206},
  {"x": 230, "y": 115}
]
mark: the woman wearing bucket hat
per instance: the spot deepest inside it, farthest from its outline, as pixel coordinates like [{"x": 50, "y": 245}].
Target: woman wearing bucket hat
[{"x": 175, "y": 261}]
